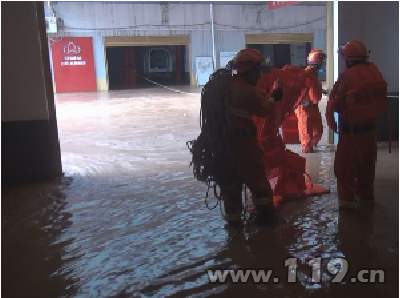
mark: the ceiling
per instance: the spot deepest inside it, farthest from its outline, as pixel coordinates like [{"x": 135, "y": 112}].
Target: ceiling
[{"x": 303, "y": 3}]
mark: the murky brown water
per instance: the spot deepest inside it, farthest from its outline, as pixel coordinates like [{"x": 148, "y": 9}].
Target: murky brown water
[{"x": 129, "y": 219}]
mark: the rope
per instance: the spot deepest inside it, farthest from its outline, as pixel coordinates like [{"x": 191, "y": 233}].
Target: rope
[
  {"x": 163, "y": 86},
  {"x": 213, "y": 160},
  {"x": 205, "y": 199}
]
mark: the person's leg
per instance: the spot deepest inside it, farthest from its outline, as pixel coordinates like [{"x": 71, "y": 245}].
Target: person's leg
[
  {"x": 232, "y": 198},
  {"x": 366, "y": 173},
  {"x": 305, "y": 128},
  {"x": 253, "y": 173},
  {"x": 345, "y": 168},
  {"x": 317, "y": 126}
]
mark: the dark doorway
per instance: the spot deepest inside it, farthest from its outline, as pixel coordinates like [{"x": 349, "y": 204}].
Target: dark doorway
[
  {"x": 283, "y": 54},
  {"x": 135, "y": 67}
]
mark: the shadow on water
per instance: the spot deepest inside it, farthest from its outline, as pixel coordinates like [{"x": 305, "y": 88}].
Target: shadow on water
[
  {"x": 108, "y": 237},
  {"x": 132, "y": 221},
  {"x": 33, "y": 249}
]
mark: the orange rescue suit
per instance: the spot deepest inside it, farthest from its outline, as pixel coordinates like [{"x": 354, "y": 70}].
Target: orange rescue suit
[
  {"x": 245, "y": 101},
  {"x": 288, "y": 166},
  {"x": 359, "y": 96},
  {"x": 267, "y": 128},
  {"x": 271, "y": 142},
  {"x": 308, "y": 114}
]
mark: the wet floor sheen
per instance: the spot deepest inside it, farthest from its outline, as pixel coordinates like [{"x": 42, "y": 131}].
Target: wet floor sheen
[{"x": 129, "y": 220}]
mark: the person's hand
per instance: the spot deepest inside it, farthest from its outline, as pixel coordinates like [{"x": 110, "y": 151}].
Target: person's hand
[
  {"x": 332, "y": 124},
  {"x": 277, "y": 94},
  {"x": 334, "y": 127},
  {"x": 263, "y": 93},
  {"x": 278, "y": 84}
]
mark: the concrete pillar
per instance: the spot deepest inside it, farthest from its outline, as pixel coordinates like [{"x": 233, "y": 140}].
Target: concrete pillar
[
  {"x": 376, "y": 23},
  {"x": 330, "y": 57},
  {"x": 30, "y": 147}
]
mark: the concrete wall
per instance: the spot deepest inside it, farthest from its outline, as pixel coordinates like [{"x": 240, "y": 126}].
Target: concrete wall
[
  {"x": 231, "y": 23},
  {"x": 376, "y": 23},
  {"x": 28, "y": 119}
]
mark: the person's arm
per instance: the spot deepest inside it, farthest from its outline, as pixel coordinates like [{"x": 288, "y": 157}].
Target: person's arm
[
  {"x": 314, "y": 91},
  {"x": 334, "y": 103},
  {"x": 259, "y": 105},
  {"x": 254, "y": 102}
]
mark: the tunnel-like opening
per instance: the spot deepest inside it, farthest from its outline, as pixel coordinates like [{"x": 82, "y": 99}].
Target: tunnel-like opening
[
  {"x": 284, "y": 54},
  {"x": 141, "y": 66}
]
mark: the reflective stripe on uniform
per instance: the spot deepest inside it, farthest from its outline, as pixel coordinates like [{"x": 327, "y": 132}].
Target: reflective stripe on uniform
[
  {"x": 233, "y": 217},
  {"x": 240, "y": 113},
  {"x": 263, "y": 201}
]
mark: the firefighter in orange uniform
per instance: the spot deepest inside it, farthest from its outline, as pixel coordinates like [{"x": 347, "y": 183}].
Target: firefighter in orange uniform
[
  {"x": 308, "y": 114},
  {"x": 359, "y": 96},
  {"x": 244, "y": 102},
  {"x": 267, "y": 129}
]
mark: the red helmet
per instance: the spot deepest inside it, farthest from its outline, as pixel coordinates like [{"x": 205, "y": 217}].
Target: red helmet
[
  {"x": 316, "y": 57},
  {"x": 354, "y": 50},
  {"x": 247, "y": 58}
]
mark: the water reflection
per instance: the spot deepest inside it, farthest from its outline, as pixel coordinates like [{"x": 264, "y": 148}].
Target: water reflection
[
  {"x": 33, "y": 223},
  {"x": 132, "y": 222}
]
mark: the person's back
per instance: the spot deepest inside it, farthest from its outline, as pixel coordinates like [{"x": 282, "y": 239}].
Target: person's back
[
  {"x": 244, "y": 102},
  {"x": 227, "y": 151},
  {"x": 309, "y": 117},
  {"x": 366, "y": 90},
  {"x": 312, "y": 81},
  {"x": 359, "y": 96}
]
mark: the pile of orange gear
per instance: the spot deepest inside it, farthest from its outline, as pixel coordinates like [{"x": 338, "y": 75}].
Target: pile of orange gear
[{"x": 288, "y": 175}]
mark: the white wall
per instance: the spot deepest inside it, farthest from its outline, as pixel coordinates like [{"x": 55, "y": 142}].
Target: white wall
[
  {"x": 377, "y": 25},
  {"x": 232, "y": 22}
]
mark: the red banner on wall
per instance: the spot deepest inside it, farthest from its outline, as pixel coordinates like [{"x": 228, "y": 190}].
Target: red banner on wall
[
  {"x": 277, "y": 4},
  {"x": 73, "y": 64}
]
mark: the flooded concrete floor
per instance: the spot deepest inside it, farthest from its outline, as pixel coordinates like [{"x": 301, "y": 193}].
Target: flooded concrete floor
[{"x": 129, "y": 219}]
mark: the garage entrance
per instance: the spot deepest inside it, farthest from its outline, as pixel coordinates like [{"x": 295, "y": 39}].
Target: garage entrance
[
  {"x": 283, "y": 54},
  {"x": 283, "y": 48},
  {"x": 136, "y": 61}
]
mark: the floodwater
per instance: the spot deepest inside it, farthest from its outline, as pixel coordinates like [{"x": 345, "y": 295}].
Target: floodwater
[{"x": 129, "y": 219}]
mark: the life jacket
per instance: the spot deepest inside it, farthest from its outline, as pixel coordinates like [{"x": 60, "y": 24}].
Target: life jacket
[
  {"x": 290, "y": 129},
  {"x": 366, "y": 94},
  {"x": 268, "y": 128},
  {"x": 293, "y": 80},
  {"x": 294, "y": 68},
  {"x": 291, "y": 180},
  {"x": 270, "y": 142},
  {"x": 311, "y": 80},
  {"x": 267, "y": 132},
  {"x": 239, "y": 117}
]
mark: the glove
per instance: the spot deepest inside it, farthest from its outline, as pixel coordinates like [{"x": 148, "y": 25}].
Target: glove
[
  {"x": 277, "y": 94},
  {"x": 330, "y": 121},
  {"x": 333, "y": 126},
  {"x": 263, "y": 93}
]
